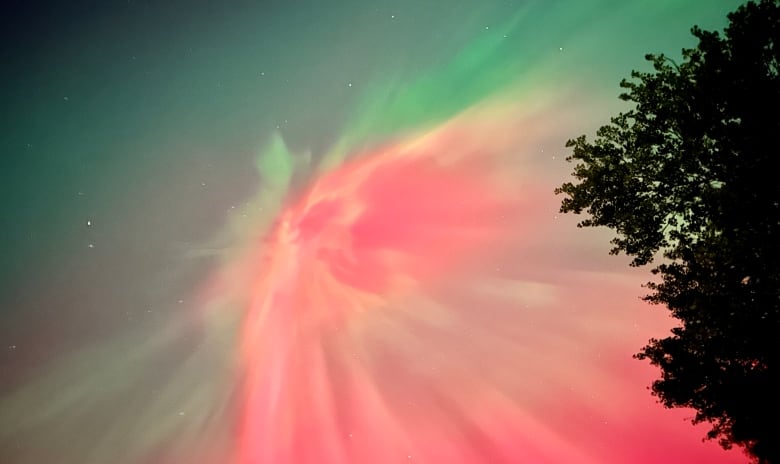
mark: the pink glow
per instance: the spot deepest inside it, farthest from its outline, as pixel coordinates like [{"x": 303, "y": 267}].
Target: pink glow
[{"x": 422, "y": 304}]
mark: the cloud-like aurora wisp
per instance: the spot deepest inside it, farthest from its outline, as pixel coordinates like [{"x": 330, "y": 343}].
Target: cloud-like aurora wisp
[{"x": 355, "y": 249}]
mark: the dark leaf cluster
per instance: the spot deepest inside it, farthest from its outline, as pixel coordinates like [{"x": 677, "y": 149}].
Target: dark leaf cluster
[{"x": 688, "y": 177}]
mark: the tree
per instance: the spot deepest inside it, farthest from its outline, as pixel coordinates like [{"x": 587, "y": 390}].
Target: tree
[{"x": 688, "y": 176}]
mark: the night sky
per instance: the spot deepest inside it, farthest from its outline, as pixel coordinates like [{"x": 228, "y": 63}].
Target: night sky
[{"x": 321, "y": 232}]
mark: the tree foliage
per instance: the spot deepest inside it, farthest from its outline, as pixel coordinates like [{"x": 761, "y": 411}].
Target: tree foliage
[{"x": 689, "y": 174}]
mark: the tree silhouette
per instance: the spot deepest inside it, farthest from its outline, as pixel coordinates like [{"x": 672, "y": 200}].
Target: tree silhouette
[{"x": 689, "y": 173}]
